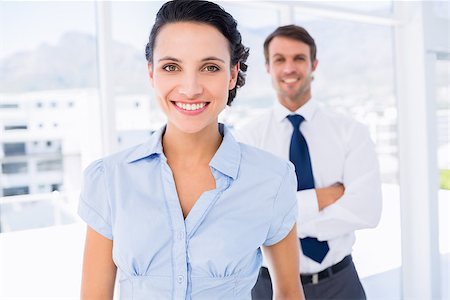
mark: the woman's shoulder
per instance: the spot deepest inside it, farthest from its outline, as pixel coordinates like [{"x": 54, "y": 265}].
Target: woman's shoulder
[{"x": 118, "y": 158}]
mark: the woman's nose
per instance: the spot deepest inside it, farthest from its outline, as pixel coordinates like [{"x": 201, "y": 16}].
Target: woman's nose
[{"x": 190, "y": 86}]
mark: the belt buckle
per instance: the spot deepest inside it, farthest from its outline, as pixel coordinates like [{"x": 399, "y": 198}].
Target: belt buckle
[{"x": 315, "y": 278}]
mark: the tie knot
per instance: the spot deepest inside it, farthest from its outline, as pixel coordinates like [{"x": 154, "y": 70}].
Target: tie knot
[{"x": 296, "y": 120}]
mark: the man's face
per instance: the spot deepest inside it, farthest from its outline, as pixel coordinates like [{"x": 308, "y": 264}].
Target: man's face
[{"x": 291, "y": 70}]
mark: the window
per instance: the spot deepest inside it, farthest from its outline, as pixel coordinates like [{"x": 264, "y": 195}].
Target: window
[
  {"x": 136, "y": 108},
  {"x": 49, "y": 165},
  {"x": 9, "y": 105},
  {"x": 51, "y": 97},
  {"x": 370, "y": 7},
  {"x": 15, "y": 127},
  {"x": 14, "y": 149},
  {"x": 14, "y": 191},
  {"x": 355, "y": 76},
  {"x": 55, "y": 187},
  {"x": 14, "y": 168},
  {"x": 257, "y": 92}
]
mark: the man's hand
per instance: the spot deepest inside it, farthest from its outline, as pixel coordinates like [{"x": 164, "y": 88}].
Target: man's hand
[{"x": 329, "y": 195}]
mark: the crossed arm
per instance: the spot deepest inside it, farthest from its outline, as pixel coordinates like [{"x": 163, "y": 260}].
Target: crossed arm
[
  {"x": 328, "y": 195},
  {"x": 342, "y": 210}
]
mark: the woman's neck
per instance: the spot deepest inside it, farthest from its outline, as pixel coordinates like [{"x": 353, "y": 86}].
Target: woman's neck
[{"x": 190, "y": 149}]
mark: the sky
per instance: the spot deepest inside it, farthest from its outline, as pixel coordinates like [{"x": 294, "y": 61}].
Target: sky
[{"x": 25, "y": 25}]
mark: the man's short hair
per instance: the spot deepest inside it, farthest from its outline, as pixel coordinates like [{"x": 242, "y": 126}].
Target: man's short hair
[{"x": 292, "y": 32}]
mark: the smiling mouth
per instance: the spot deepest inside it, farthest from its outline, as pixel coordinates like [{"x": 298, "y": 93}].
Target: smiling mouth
[
  {"x": 290, "y": 80},
  {"x": 190, "y": 106}
]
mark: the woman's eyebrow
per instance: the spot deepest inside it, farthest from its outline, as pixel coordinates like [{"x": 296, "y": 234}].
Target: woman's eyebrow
[
  {"x": 169, "y": 58},
  {"x": 213, "y": 58},
  {"x": 209, "y": 58}
]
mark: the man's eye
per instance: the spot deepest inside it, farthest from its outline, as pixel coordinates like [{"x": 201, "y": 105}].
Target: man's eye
[
  {"x": 211, "y": 69},
  {"x": 170, "y": 68}
]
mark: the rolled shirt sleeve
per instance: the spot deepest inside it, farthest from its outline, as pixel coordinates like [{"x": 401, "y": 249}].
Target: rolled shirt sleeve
[
  {"x": 94, "y": 206},
  {"x": 360, "y": 206},
  {"x": 308, "y": 206},
  {"x": 285, "y": 208}
]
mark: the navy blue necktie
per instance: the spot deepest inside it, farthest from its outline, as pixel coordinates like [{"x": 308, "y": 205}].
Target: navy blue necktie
[{"x": 299, "y": 156}]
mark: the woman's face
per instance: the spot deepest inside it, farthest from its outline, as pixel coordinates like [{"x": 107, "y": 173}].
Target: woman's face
[{"x": 191, "y": 74}]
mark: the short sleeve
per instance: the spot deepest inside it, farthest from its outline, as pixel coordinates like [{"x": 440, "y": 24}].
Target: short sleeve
[
  {"x": 94, "y": 207},
  {"x": 285, "y": 208}
]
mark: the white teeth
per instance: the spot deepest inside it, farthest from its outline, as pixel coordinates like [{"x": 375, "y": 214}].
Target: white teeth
[
  {"x": 190, "y": 106},
  {"x": 290, "y": 80}
]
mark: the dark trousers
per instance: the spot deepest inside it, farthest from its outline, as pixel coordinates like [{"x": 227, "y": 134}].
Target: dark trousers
[{"x": 343, "y": 285}]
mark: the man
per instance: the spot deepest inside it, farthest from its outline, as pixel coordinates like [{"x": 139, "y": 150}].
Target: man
[{"x": 339, "y": 188}]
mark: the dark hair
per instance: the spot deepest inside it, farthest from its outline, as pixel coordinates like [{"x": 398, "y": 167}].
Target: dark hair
[
  {"x": 208, "y": 13},
  {"x": 293, "y": 32}
]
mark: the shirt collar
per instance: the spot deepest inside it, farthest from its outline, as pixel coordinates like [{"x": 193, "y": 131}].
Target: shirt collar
[
  {"x": 152, "y": 146},
  {"x": 226, "y": 159},
  {"x": 307, "y": 110}
]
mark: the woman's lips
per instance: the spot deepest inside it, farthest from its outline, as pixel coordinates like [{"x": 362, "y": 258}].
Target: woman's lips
[{"x": 190, "y": 108}]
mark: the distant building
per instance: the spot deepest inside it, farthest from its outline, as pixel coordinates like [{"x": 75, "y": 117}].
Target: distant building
[
  {"x": 48, "y": 137},
  {"x": 40, "y": 140}
]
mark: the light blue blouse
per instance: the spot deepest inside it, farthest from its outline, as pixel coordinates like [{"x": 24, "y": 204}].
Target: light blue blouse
[{"x": 214, "y": 253}]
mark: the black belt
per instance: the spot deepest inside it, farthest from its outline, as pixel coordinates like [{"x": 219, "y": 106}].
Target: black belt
[{"x": 316, "y": 277}]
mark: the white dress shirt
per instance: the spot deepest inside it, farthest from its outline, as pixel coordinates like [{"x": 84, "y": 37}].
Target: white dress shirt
[{"x": 341, "y": 151}]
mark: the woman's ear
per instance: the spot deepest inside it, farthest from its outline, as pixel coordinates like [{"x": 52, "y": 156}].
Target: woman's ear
[
  {"x": 234, "y": 76},
  {"x": 150, "y": 72}
]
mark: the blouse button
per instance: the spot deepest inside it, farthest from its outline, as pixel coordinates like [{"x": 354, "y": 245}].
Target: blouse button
[{"x": 180, "y": 279}]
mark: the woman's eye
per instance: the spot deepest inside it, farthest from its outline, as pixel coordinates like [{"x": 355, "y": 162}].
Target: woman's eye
[
  {"x": 211, "y": 69},
  {"x": 170, "y": 68}
]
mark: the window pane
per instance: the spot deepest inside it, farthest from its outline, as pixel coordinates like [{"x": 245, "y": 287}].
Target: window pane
[
  {"x": 137, "y": 113},
  {"x": 14, "y": 149},
  {"x": 370, "y": 7},
  {"x": 355, "y": 76},
  {"x": 49, "y": 165},
  {"x": 257, "y": 93},
  {"x": 19, "y": 190},
  {"x": 59, "y": 53},
  {"x": 48, "y": 103},
  {"x": 15, "y": 127},
  {"x": 14, "y": 168}
]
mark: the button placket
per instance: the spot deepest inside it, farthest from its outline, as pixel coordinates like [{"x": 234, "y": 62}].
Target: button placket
[
  {"x": 178, "y": 235},
  {"x": 180, "y": 279}
]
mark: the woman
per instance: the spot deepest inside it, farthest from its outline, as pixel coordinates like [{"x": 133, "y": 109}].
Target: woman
[{"x": 184, "y": 215}]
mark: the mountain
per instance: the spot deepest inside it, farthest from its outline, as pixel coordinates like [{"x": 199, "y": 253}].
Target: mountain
[
  {"x": 71, "y": 63},
  {"x": 356, "y": 65}
]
